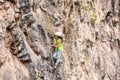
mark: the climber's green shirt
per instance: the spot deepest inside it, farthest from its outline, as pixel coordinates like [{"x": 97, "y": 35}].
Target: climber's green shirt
[{"x": 60, "y": 46}]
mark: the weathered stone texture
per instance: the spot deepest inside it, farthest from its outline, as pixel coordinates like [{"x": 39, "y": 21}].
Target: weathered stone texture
[{"x": 91, "y": 37}]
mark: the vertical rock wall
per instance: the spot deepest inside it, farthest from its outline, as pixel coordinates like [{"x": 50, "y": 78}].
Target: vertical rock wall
[
  {"x": 92, "y": 40},
  {"x": 91, "y": 31}
]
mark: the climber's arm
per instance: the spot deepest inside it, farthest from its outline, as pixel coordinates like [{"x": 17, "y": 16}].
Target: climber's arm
[{"x": 56, "y": 46}]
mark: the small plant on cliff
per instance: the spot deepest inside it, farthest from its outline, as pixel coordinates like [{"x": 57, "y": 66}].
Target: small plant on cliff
[
  {"x": 86, "y": 5},
  {"x": 93, "y": 18}
]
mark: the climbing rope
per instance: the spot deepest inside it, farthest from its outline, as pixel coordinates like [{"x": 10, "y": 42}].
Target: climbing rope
[
  {"x": 52, "y": 30},
  {"x": 48, "y": 18}
]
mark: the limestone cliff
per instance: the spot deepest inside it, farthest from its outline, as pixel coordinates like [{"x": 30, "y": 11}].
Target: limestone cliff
[{"x": 91, "y": 31}]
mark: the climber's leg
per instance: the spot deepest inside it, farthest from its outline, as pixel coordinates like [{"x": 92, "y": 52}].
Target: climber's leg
[
  {"x": 55, "y": 56},
  {"x": 57, "y": 59}
]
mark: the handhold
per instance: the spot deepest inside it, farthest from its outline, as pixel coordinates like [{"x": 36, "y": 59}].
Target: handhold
[
  {"x": 25, "y": 58},
  {"x": 17, "y": 15},
  {"x": 20, "y": 55}
]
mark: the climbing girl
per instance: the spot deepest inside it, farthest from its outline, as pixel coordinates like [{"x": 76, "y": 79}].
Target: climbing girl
[{"x": 58, "y": 44}]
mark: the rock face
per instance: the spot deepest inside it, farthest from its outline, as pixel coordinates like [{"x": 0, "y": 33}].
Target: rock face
[{"x": 91, "y": 37}]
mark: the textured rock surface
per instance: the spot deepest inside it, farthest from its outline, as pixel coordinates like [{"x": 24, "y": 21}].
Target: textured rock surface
[{"x": 91, "y": 39}]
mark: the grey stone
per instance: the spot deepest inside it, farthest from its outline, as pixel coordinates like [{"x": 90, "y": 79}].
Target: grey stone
[{"x": 91, "y": 52}]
